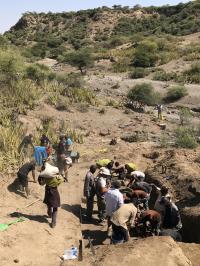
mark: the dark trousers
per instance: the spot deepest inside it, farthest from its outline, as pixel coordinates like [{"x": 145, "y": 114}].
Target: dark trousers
[
  {"x": 90, "y": 206},
  {"x": 120, "y": 234},
  {"x": 101, "y": 204}
]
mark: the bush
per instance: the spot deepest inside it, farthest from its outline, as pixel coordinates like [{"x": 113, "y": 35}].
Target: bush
[
  {"x": 73, "y": 80},
  {"x": 175, "y": 93},
  {"x": 121, "y": 66},
  {"x": 82, "y": 95},
  {"x": 37, "y": 72},
  {"x": 185, "y": 116},
  {"x": 82, "y": 59},
  {"x": 185, "y": 138},
  {"x": 145, "y": 54},
  {"x": 164, "y": 76},
  {"x": 142, "y": 94},
  {"x": 138, "y": 72},
  {"x": 192, "y": 75},
  {"x": 11, "y": 66}
]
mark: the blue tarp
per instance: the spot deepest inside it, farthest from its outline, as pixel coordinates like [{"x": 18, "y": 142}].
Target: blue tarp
[{"x": 40, "y": 154}]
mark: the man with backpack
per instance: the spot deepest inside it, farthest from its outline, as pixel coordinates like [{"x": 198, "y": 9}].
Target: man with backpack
[{"x": 90, "y": 190}]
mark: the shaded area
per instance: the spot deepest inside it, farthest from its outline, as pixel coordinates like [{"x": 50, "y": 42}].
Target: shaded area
[
  {"x": 14, "y": 188},
  {"x": 75, "y": 209},
  {"x": 36, "y": 218},
  {"x": 97, "y": 236}
]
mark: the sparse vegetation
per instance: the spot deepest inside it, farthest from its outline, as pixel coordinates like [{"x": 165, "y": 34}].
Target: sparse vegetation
[
  {"x": 82, "y": 59},
  {"x": 192, "y": 75},
  {"x": 175, "y": 93},
  {"x": 185, "y": 138},
  {"x": 138, "y": 72},
  {"x": 185, "y": 116},
  {"x": 141, "y": 95},
  {"x": 164, "y": 76}
]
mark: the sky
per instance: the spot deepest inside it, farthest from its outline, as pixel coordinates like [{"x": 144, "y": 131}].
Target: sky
[{"x": 12, "y": 10}]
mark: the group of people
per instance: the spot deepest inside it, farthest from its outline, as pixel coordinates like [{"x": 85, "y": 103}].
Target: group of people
[
  {"x": 49, "y": 175},
  {"x": 123, "y": 197}
]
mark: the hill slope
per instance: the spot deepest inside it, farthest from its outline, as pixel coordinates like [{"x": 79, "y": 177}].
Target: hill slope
[{"x": 52, "y": 34}]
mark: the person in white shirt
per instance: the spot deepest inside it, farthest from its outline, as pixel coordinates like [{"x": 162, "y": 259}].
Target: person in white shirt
[
  {"x": 114, "y": 199},
  {"x": 101, "y": 189}
]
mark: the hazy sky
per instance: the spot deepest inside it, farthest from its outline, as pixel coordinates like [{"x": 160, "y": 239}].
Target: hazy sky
[{"x": 11, "y": 10}]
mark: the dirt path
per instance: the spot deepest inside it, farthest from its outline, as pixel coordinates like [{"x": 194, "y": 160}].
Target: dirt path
[{"x": 33, "y": 242}]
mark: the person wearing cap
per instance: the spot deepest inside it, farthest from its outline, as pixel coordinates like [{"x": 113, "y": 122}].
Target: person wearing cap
[
  {"x": 105, "y": 163},
  {"x": 101, "y": 189},
  {"x": 130, "y": 167},
  {"x": 114, "y": 199},
  {"x": 90, "y": 190},
  {"x": 125, "y": 215}
]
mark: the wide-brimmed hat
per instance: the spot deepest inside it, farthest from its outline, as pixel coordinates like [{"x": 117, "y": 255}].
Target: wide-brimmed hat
[{"x": 104, "y": 171}]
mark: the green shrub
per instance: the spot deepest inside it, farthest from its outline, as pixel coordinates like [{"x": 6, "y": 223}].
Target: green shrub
[
  {"x": 73, "y": 80},
  {"x": 164, "y": 76},
  {"x": 37, "y": 72},
  {"x": 145, "y": 54},
  {"x": 11, "y": 66},
  {"x": 138, "y": 72},
  {"x": 185, "y": 138},
  {"x": 142, "y": 94},
  {"x": 122, "y": 65},
  {"x": 82, "y": 59},
  {"x": 192, "y": 75},
  {"x": 81, "y": 95},
  {"x": 175, "y": 93},
  {"x": 185, "y": 115},
  {"x": 10, "y": 139}
]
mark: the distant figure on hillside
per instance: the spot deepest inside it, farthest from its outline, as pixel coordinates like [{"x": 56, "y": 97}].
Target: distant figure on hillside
[
  {"x": 22, "y": 175},
  {"x": 159, "y": 108}
]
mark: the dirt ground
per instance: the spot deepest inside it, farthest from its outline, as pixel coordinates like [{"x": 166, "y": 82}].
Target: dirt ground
[{"x": 33, "y": 242}]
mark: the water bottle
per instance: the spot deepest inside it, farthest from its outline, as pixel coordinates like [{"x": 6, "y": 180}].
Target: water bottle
[{"x": 74, "y": 252}]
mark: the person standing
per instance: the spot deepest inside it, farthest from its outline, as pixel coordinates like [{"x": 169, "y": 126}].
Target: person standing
[
  {"x": 159, "y": 108},
  {"x": 114, "y": 199},
  {"x": 61, "y": 158},
  {"x": 90, "y": 190},
  {"x": 101, "y": 189},
  {"x": 52, "y": 196},
  {"x": 22, "y": 175}
]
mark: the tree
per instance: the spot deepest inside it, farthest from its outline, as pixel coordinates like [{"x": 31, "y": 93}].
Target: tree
[
  {"x": 141, "y": 95},
  {"x": 145, "y": 54},
  {"x": 82, "y": 59}
]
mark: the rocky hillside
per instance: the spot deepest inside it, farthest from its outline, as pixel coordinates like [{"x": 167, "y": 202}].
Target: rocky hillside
[{"x": 53, "y": 34}]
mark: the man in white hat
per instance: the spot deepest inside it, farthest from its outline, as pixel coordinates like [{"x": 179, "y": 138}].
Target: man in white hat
[{"x": 101, "y": 189}]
